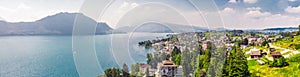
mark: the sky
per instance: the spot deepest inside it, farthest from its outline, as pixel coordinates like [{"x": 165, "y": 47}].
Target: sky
[{"x": 235, "y": 14}]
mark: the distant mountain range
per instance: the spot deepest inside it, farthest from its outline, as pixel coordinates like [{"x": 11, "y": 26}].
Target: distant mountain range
[
  {"x": 58, "y": 24},
  {"x": 62, "y": 24},
  {"x": 287, "y": 28},
  {"x": 161, "y": 28}
]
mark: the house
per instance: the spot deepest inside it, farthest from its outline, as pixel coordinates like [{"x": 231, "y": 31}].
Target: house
[
  {"x": 151, "y": 73},
  {"x": 179, "y": 72},
  {"x": 204, "y": 46},
  {"x": 166, "y": 69},
  {"x": 255, "y": 54},
  {"x": 243, "y": 46},
  {"x": 143, "y": 67},
  {"x": 275, "y": 54},
  {"x": 272, "y": 49}
]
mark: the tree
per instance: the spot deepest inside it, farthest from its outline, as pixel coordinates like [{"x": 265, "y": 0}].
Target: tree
[
  {"x": 125, "y": 70},
  {"x": 135, "y": 69},
  {"x": 295, "y": 58},
  {"x": 264, "y": 43},
  {"x": 178, "y": 59},
  {"x": 163, "y": 56},
  {"x": 299, "y": 28},
  {"x": 175, "y": 51},
  {"x": 235, "y": 64},
  {"x": 186, "y": 62},
  {"x": 175, "y": 54},
  {"x": 281, "y": 62},
  {"x": 112, "y": 72},
  {"x": 199, "y": 65},
  {"x": 147, "y": 72},
  {"x": 149, "y": 58},
  {"x": 245, "y": 41},
  {"x": 267, "y": 46}
]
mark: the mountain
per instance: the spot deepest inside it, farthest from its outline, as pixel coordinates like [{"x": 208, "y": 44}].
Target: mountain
[
  {"x": 58, "y": 24},
  {"x": 160, "y": 28},
  {"x": 287, "y": 29}
]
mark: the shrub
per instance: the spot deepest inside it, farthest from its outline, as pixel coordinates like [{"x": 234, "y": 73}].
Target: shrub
[
  {"x": 279, "y": 63},
  {"x": 295, "y": 58}
]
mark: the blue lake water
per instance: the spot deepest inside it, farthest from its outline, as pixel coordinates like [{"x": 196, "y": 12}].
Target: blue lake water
[{"x": 52, "y": 56}]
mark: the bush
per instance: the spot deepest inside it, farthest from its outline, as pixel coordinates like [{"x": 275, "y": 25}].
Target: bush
[
  {"x": 295, "y": 58},
  {"x": 279, "y": 63},
  {"x": 265, "y": 60},
  {"x": 297, "y": 46}
]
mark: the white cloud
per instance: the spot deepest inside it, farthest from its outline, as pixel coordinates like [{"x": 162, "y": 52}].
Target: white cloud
[
  {"x": 237, "y": 21},
  {"x": 29, "y": 10},
  {"x": 253, "y": 8},
  {"x": 292, "y": 0},
  {"x": 250, "y": 1},
  {"x": 23, "y": 6},
  {"x": 255, "y": 12},
  {"x": 232, "y": 1},
  {"x": 116, "y": 12},
  {"x": 228, "y": 11},
  {"x": 254, "y": 18},
  {"x": 290, "y": 9},
  {"x": 128, "y": 6}
]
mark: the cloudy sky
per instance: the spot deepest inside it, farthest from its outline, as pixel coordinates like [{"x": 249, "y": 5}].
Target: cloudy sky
[{"x": 236, "y": 14}]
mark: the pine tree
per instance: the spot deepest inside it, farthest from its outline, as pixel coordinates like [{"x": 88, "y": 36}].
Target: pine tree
[{"x": 236, "y": 64}]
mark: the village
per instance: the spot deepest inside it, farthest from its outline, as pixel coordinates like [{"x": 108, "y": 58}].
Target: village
[{"x": 190, "y": 54}]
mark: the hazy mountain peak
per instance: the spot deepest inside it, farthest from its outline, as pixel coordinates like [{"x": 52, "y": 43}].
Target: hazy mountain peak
[{"x": 60, "y": 23}]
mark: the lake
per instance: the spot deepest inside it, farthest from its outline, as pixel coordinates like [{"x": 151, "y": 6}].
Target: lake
[{"x": 52, "y": 56}]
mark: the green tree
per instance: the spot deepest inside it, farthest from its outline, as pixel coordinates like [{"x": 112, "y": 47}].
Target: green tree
[
  {"x": 299, "y": 28},
  {"x": 175, "y": 51},
  {"x": 178, "y": 59},
  {"x": 149, "y": 58},
  {"x": 199, "y": 72},
  {"x": 112, "y": 72},
  {"x": 135, "y": 69},
  {"x": 264, "y": 43},
  {"x": 235, "y": 64},
  {"x": 281, "y": 62},
  {"x": 295, "y": 58},
  {"x": 174, "y": 55}
]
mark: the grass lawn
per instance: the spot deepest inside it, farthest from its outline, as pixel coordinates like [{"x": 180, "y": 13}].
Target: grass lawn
[{"x": 292, "y": 70}]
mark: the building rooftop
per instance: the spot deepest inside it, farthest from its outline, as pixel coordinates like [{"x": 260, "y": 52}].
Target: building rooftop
[
  {"x": 167, "y": 63},
  {"x": 255, "y": 53},
  {"x": 275, "y": 53},
  {"x": 144, "y": 65}
]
